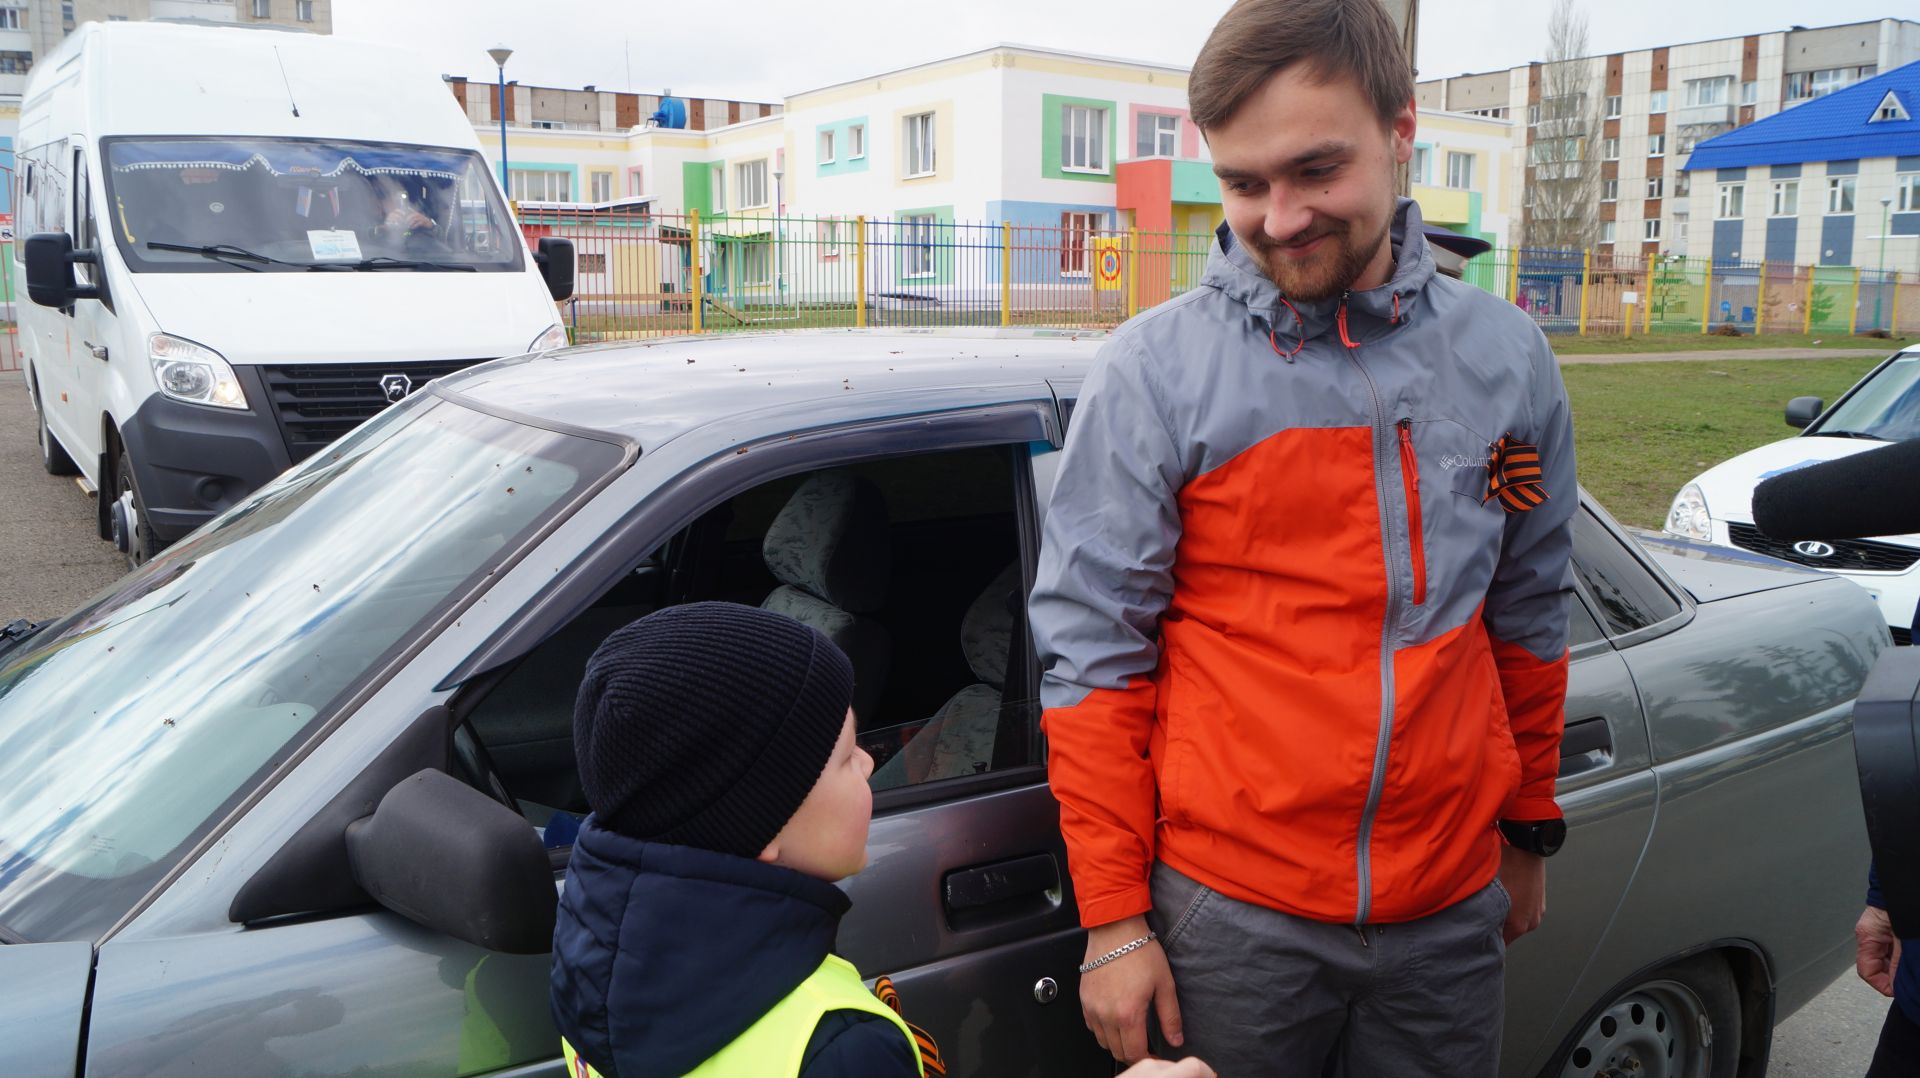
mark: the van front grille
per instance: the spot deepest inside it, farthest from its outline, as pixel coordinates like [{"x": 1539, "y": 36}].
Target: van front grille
[{"x": 316, "y": 403}]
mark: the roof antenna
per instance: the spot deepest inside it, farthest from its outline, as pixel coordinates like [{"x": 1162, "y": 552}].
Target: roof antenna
[{"x": 284, "y": 82}]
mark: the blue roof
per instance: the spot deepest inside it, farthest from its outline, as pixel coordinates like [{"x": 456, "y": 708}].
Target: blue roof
[{"x": 1830, "y": 128}]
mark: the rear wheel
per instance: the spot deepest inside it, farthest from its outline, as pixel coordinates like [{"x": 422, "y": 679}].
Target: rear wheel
[
  {"x": 53, "y": 458},
  {"x": 131, "y": 532},
  {"x": 1682, "y": 1021}
]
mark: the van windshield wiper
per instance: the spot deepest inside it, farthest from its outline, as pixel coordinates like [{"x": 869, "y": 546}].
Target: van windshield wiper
[
  {"x": 226, "y": 252},
  {"x": 381, "y": 262},
  {"x": 1848, "y": 434},
  {"x": 15, "y": 633}
]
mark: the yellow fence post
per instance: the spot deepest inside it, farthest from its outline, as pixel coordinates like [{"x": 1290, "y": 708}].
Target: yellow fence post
[
  {"x": 860, "y": 271},
  {"x": 1513, "y": 275},
  {"x": 1627, "y": 322},
  {"x": 1706, "y": 297},
  {"x": 1006, "y": 273},
  {"x": 693, "y": 258},
  {"x": 1806, "y": 325},
  {"x": 1133, "y": 270},
  {"x": 1760, "y": 303},
  {"x": 1853, "y": 305},
  {"x": 1646, "y": 306},
  {"x": 1586, "y": 279}
]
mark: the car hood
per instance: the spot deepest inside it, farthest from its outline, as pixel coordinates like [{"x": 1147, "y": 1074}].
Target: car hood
[
  {"x": 1728, "y": 486},
  {"x": 43, "y": 995},
  {"x": 1710, "y": 573}
]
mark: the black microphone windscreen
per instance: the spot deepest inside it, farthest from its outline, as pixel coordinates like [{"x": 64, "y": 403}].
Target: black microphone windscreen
[{"x": 1867, "y": 494}]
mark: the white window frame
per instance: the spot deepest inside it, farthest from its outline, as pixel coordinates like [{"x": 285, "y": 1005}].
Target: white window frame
[
  {"x": 1607, "y": 230},
  {"x": 1840, "y": 192},
  {"x": 856, "y": 141},
  {"x": 636, "y": 182},
  {"x": 303, "y": 10},
  {"x": 1089, "y": 125},
  {"x": 1732, "y": 201},
  {"x": 1656, "y": 186},
  {"x": 1076, "y": 258},
  {"x": 827, "y": 237},
  {"x": 1717, "y": 90},
  {"x": 1656, "y": 102},
  {"x": 1455, "y": 180},
  {"x": 1155, "y": 130},
  {"x": 919, "y": 231},
  {"x": 918, "y": 145},
  {"x": 1749, "y": 92},
  {"x": 1682, "y": 184},
  {"x": 1906, "y": 186},
  {"x": 756, "y": 263},
  {"x": 1613, "y": 107},
  {"x": 554, "y": 185},
  {"x": 1609, "y": 190},
  {"x": 750, "y": 183},
  {"x": 826, "y": 148},
  {"x": 1785, "y": 199},
  {"x": 1420, "y": 166},
  {"x": 1651, "y": 230},
  {"x": 600, "y": 183},
  {"x": 13, "y": 18},
  {"x": 717, "y": 187},
  {"x": 1657, "y": 145},
  {"x": 1610, "y": 149}
]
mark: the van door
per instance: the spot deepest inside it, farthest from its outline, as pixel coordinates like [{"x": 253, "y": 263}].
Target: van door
[
  {"x": 90, "y": 324},
  {"x": 46, "y": 331}
]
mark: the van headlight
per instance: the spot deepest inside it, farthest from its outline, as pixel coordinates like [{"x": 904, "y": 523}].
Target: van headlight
[
  {"x": 193, "y": 373},
  {"x": 1689, "y": 517},
  {"x": 554, "y": 336}
]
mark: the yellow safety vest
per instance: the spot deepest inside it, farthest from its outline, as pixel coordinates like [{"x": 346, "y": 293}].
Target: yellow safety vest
[{"x": 775, "y": 1045}]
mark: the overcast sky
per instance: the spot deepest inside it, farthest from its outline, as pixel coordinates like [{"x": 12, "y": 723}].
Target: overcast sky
[{"x": 760, "y": 50}]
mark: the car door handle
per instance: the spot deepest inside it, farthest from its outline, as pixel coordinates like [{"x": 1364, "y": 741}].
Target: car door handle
[
  {"x": 1002, "y": 884},
  {"x": 99, "y": 350},
  {"x": 1585, "y": 745}
]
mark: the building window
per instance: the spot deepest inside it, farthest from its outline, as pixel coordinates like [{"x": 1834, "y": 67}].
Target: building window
[
  {"x": 1688, "y": 142},
  {"x": 263, "y": 9},
  {"x": 1609, "y": 190},
  {"x": 1606, "y": 231},
  {"x": 1533, "y": 115},
  {"x": 1083, "y": 139},
  {"x": 303, "y": 10},
  {"x": 1613, "y": 107},
  {"x": 1717, "y": 91},
  {"x": 1460, "y": 171},
  {"x": 592, "y": 263},
  {"x": 66, "y": 14},
  {"x": 1749, "y": 93},
  {"x": 1157, "y": 135},
  {"x": 1840, "y": 194},
  {"x": 540, "y": 185},
  {"x": 1907, "y": 187},
  {"x": 16, "y": 63},
  {"x": 919, "y": 248},
  {"x": 827, "y": 237},
  {"x": 1656, "y": 145},
  {"x": 1786, "y": 199},
  {"x": 1657, "y": 102},
  {"x": 856, "y": 142},
  {"x": 13, "y": 18},
  {"x": 1610, "y": 149},
  {"x": 1652, "y": 229},
  {"x": 1805, "y": 85},
  {"x": 602, "y": 187},
  {"x": 826, "y": 147},
  {"x": 919, "y": 144},
  {"x": 1656, "y": 186},
  {"x": 1417, "y": 169},
  {"x": 1733, "y": 200},
  {"x": 756, "y": 263},
  {"x": 717, "y": 188},
  {"x": 1683, "y": 185},
  {"x": 1498, "y": 112},
  {"x": 635, "y": 188},
  {"x": 750, "y": 183},
  {"x": 1076, "y": 237},
  {"x": 1890, "y": 109}
]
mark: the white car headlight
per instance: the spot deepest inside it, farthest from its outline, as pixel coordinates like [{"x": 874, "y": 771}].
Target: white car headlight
[
  {"x": 554, "y": 336},
  {"x": 1689, "y": 517},
  {"x": 193, "y": 373}
]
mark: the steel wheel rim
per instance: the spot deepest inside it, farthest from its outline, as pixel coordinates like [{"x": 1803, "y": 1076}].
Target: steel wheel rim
[{"x": 1658, "y": 1030}]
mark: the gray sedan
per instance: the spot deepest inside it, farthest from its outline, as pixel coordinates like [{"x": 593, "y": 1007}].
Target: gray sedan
[{"x": 229, "y": 842}]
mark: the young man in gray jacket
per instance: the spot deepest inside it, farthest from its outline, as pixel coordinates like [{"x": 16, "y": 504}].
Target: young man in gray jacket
[{"x": 1302, "y": 602}]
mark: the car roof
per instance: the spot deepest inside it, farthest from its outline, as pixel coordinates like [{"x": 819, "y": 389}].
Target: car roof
[{"x": 651, "y": 391}]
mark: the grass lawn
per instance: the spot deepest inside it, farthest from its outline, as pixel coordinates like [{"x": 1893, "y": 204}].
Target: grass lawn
[
  {"x": 1568, "y": 345},
  {"x": 1644, "y": 429}
]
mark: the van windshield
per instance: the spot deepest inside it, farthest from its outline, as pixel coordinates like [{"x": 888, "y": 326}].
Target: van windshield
[
  {"x": 134, "y": 725},
  {"x": 241, "y": 205}
]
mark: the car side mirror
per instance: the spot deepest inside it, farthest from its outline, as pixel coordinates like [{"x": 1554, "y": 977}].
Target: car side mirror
[
  {"x": 50, "y": 259},
  {"x": 442, "y": 854},
  {"x": 555, "y": 258},
  {"x": 1804, "y": 410}
]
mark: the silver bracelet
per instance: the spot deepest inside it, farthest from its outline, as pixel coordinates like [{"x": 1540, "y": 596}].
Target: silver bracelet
[{"x": 1118, "y": 952}]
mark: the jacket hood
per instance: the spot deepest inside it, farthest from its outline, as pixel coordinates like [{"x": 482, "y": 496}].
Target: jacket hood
[
  {"x": 663, "y": 954},
  {"x": 1371, "y": 314}
]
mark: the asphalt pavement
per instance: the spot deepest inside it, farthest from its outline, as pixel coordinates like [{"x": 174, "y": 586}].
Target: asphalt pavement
[{"x": 53, "y": 562}]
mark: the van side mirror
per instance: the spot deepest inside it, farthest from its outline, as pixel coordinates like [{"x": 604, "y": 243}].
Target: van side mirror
[
  {"x": 1804, "y": 410},
  {"x": 50, "y": 281},
  {"x": 555, "y": 257},
  {"x": 442, "y": 854}
]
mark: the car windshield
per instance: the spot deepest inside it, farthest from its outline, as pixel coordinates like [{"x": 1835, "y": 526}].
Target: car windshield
[
  {"x": 131, "y": 727},
  {"x": 237, "y": 205},
  {"x": 1886, "y": 406}
]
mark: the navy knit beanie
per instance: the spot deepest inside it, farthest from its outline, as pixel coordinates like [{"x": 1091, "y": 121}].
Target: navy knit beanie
[{"x": 708, "y": 724}]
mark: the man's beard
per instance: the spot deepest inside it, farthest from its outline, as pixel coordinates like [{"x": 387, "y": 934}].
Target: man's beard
[{"x": 1327, "y": 272}]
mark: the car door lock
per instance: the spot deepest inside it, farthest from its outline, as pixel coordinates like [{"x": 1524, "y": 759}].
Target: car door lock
[{"x": 1045, "y": 990}]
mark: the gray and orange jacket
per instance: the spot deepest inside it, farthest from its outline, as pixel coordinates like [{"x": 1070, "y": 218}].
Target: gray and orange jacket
[{"x": 1302, "y": 598}]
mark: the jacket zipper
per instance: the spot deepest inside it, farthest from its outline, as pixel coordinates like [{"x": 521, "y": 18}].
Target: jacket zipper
[
  {"x": 1410, "y": 479},
  {"x": 1363, "y": 853}
]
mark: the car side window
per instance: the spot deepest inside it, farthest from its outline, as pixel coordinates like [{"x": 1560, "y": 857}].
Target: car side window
[
  {"x": 1627, "y": 596},
  {"x": 1581, "y": 628},
  {"x": 912, "y": 565}
]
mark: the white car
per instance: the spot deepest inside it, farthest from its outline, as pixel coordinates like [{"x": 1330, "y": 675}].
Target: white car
[{"x": 1881, "y": 408}]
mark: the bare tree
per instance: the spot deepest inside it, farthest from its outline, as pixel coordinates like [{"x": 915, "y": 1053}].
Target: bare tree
[{"x": 1563, "y": 163}]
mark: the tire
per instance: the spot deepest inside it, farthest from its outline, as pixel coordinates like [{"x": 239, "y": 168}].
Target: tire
[
  {"x": 142, "y": 545},
  {"x": 53, "y": 457},
  {"x": 1681, "y": 1021}
]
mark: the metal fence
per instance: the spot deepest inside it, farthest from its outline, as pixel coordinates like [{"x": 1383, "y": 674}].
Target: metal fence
[{"x": 9, "y": 311}]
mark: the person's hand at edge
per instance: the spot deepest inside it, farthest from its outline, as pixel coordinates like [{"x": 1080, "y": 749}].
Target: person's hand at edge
[
  {"x": 1524, "y": 875},
  {"x": 1115, "y": 997},
  {"x": 1169, "y": 1068},
  {"x": 1876, "y": 955}
]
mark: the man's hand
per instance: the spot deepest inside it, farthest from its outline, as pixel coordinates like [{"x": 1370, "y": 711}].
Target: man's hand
[
  {"x": 1524, "y": 875},
  {"x": 1115, "y": 997},
  {"x": 1161, "y": 1068},
  {"x": 1876, "y": 953}
]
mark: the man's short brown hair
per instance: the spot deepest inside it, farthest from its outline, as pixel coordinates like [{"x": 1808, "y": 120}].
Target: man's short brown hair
[{"x": 1255, "y": 39}]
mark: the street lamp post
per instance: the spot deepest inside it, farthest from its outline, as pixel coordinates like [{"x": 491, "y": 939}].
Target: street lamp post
[
  {"x": 500, "y": 54},
  {"x": 1880, "y": 290}
]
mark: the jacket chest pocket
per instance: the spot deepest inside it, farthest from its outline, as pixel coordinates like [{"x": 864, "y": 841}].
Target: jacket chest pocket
[{"x": 1443, "y": 482}]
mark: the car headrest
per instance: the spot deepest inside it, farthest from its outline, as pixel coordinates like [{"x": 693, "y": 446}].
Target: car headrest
[
  {"x": 830, "y": 540},
  {"x": 986, "y": 632}
]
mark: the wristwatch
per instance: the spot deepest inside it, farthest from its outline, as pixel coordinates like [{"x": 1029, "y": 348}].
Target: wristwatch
[{"x": 1541, "y": 837}]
